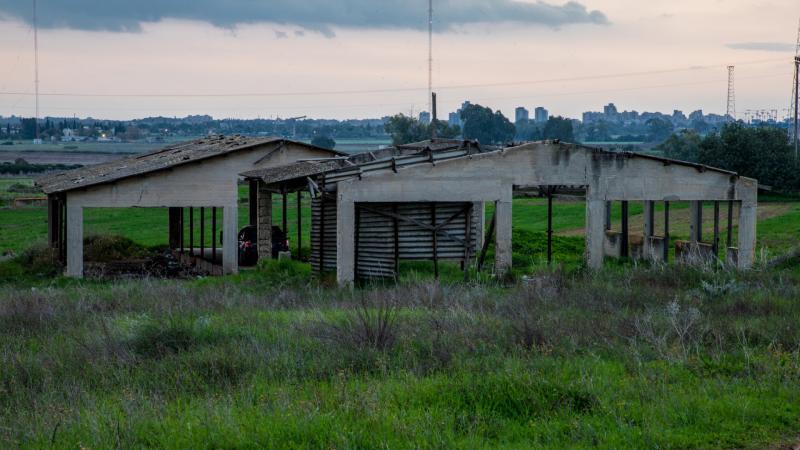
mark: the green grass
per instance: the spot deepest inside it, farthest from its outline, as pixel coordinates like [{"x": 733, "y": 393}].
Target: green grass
[{"x": 650, "y": 358}]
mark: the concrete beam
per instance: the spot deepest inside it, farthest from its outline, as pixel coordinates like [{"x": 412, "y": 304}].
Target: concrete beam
[
  {"x": 595, "y": 231},
  {"x": 502, "y": 246},
  {"x": 230, "y": 238},
  {"x": 74, "y": 241},
  {"x": 345, "y": 239},
  {"x": 264, "y": 222},
  {"x": 748, "y": 218}
]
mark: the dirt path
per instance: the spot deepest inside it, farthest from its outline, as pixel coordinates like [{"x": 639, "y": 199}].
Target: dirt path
[{"x": 679, "y": 220}]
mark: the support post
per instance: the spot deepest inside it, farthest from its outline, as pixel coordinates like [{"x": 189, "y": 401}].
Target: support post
[
  {"x": 666, "y": 232},
  {"x": 174, "y": 223},
  {"x": 191, "y": 231},
  {"x": 299, "y": 226},
  {"x": 52, "y": 221},
  {"x": 264, "y": 222},
  {"x": 730, "y": 224},
  {"x": 649, "y": 228},
  {"x": 182, "y": 232},
  {"x": 230, "y": 239},
  {"x": 609, "y": 205},
  {"x": 747, "y": 233},
  {"x": 595, "y": 229},
  {"x": 74, "y": 236},
  {"x": 202, "y": 233},
  {"x": 284, "y": 219},
  {"x": 356, "y": 231},
  {"x": 486, "y": 241},
  {"x": 396, "y": 226},
  {"x": 502, "y": 235},
  {"x": 479, "y": 222},
  {"x": 467, "y": 240},
  {"x": 345, "y": 238},
  {"x": 625, "y": 250}
]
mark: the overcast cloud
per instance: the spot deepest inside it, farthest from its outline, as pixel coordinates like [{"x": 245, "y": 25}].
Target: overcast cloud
[{"x": 318, "y": 15}]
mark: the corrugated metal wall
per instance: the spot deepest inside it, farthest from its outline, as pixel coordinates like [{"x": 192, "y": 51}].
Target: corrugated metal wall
[
  {"x": 323, "y": 235},
  {"x": 388, "y": 232}
]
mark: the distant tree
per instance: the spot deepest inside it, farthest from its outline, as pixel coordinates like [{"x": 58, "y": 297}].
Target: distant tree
[
  {"x": 658, "y": 130},
  {"x": 683, "y": 146},
  {"x": 323, "y": 141},
  {"x": 560, "y": 128},
  {"x": 763, "y": 153},
  {"x": 404, "y": 129},
  {"x": 598, "y": 132},
  {"x": 28, "y": 128},
  {"x": 486, "y": 126},
  {"x": 700, "y": 126}
]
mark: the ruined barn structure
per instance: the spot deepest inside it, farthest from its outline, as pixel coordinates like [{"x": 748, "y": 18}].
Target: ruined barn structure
[
  {"x": 428, "y": 203},
  {"x": 424, "y": 201},
  {"x": 194, "y": 180}
]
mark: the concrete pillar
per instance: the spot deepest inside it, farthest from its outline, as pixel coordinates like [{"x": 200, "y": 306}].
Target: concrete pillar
[
  {"x": 74, "y": 241},
  {"x": 502, "y": 232},
  {"x": 747, "y": 233},
  {"x": 264, "y": 222},
  {"x": 595, "y": 231},
  {"x": 695, "y": 221},
  {"x": 649, "y": 227},
  {"x": 345, "y": 239},
  {"x": 479, "y": 224},
  {"x": 230, "y": 239}
]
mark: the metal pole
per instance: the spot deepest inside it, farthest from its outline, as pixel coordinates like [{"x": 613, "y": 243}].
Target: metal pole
[
  {"x": 299, "y": 225},
  {"x": 191, "y": 231},
  {"x": 202, "y": 232},
  {"x": 285, "y": 225},
  {"x": 214, "y": 235},
  {"x": 716, "y": 229},
  {"x": 796, "y": 101},
  {"x": 549, "y": 225},
  {"x": 625, "y": 251},
  {"x": 433, "y": 116},
  {"x": 666, "y": 231}
]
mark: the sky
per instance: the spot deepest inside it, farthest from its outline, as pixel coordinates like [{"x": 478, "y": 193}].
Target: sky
[{"x": 341, "y": 59}]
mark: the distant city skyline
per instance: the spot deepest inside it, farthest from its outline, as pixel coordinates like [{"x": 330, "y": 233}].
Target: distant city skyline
[{"x": 648, "y": 56}]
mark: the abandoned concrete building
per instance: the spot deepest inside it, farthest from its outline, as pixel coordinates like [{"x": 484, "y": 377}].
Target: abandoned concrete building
[
  {"x": 423, "y": 201},
  {"x": 201, "y": 174}
]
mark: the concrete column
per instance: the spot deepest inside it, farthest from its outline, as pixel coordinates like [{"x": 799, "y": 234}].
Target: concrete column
[
  {"x": 747, "y": 233},
  {"x": 479, "y": 224},
  {"x": 595, "y": 231},
  {"x": 74, "y": 241},
  {"x": 649, "y": 227},
  {"x": 345, "y": 239},
  {"x": 264, "y": 222},
  {"x": 230, "y": 239},
  {"x": 174, "y": 227},
  {"x": 695, "y": 221},
  {"x": 502, "y": 232}
]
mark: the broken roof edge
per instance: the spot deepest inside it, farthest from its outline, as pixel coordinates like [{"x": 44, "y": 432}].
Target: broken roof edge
[{"x": 54, "y": 183}]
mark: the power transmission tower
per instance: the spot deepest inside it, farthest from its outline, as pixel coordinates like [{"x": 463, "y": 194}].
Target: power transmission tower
[
  {"x": 430, "y": 55},
  {"x": 36, "y": 70},
  {"x": 731, "y": 111}
]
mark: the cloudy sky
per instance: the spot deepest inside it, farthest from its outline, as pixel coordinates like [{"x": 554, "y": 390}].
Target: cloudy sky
[{"x": 368, "y": 58}]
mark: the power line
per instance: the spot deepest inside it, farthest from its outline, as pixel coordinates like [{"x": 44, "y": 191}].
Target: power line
[{"x": 390, "y": 90}]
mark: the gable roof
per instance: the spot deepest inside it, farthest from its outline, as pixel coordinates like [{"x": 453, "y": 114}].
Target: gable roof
[{"x": 168, "y": 157}]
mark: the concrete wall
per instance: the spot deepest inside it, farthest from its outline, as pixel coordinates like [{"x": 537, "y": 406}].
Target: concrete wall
[
  {"x": 491, "y": 176},
  {"x": 208, "y": 183}
]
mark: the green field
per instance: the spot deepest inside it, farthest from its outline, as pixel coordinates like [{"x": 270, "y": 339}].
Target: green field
[{"x": 633, "y": 356}]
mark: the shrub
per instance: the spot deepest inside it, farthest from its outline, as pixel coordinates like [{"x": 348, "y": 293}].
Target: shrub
[
  {"x": 40, "y": 260},
  {"x": 104, "y": 248}
]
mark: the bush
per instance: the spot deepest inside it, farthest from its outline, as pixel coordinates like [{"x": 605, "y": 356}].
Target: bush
[
  {"x": 40, "y": 260},
  {"x": 103, "y": 248},
  {"x": 19, "y": 188}
]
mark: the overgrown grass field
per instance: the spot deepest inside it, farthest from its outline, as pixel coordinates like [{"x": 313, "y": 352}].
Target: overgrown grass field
[{"x": 659, "y": 357}]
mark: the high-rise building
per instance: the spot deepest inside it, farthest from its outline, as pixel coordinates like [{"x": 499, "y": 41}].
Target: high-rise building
[
  {"x": 454, "y": 119},
  {"x": 521, "y": 114},
  {"x": 541, "y": 115},
  {"x": 425, "y": 117},
  {"x": 610, "y": 110}
]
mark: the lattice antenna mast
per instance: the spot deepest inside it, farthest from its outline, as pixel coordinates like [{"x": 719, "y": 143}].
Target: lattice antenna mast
[
  {"x": 430, "y": 55},
  {"x": 36, "y": 66},
  {"x": 793, "y": 130},
  {"x": 731, "y": 110}
]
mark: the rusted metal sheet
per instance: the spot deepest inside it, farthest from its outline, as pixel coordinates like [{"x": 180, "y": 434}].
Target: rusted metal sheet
[{"x": 323, "y": 234}]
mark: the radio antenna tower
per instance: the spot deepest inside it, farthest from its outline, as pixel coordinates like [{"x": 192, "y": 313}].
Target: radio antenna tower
[
  {"x": 731, "y": 111},
  {"x": 793, "y": 130},
  {"x": 36, "y": 69},
  {"x": 430, "y": 55}
]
